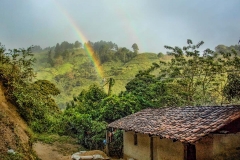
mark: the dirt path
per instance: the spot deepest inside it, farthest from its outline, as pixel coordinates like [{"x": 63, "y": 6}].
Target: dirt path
[
  {"x": 60, "y": 151},
  {"x": 55, "y": 151}
]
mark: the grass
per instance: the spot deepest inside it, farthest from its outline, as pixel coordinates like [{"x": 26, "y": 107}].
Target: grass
[
  {"x": 51, "y": 138},
  {"x": 65, "y": 145},
  {"x": 12, "y": 156}
]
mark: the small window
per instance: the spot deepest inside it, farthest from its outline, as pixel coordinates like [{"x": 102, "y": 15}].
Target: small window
[{"x": 135, "y": 139}]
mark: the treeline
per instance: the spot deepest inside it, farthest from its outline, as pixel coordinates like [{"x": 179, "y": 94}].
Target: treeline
[
  {"x": 109, "y": 51},
  {"x": 62, "y": 49},
  {"x": 58, "y": 48},
  {"x": 223, "y": 48},
  {"x": 104, "y": 51},
  {"x": 37, "y": 48}
]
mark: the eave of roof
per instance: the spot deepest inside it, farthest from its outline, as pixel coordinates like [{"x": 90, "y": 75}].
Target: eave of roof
[{"x": 186, "y": 124}]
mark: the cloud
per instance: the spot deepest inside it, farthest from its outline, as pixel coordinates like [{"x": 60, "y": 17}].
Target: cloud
[{"x": 150, "y": 24}]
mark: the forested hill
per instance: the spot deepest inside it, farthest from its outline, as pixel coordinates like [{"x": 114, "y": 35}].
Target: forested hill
[
  {"x": 72, "y": 70},
  {"x": 223, "y": 48}
]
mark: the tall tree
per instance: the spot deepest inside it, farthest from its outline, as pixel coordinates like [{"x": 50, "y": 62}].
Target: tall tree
[
  {"x": 50, "y": 60},
  {"x": 135, "y": 47},
  {"x": 77, "y": 44},
  {"x": 36, "y": 48},
  {"x": 196, "y": 76},
  {"x": 57, "y": 50},
  {"x": 232, "y": 89}
]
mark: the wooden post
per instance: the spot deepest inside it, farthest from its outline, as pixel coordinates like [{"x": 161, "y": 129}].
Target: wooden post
[
  {"x": 107, "y": 143},
  {"x": 189, "y": 151},
  {"x": 151, "y": 148}
]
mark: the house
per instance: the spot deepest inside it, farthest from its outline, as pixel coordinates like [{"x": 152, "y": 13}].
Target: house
[{"x": 181, "y": 133}]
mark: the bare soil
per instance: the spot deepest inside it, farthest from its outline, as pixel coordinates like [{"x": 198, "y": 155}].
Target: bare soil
[
  {"x": 60, "y": 151},
  {"x": 13, "y": 130},
  {"x": 55, "y": 151}
]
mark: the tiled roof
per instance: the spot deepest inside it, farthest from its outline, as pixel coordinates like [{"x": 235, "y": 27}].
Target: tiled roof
[{"x": 187, "y": 124}]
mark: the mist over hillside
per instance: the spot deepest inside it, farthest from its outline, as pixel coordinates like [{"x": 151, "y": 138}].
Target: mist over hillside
[{"x": 72, "y": 69}]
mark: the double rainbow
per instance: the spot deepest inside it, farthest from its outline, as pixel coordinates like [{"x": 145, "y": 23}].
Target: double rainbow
[{"x": 83, "y": 39}]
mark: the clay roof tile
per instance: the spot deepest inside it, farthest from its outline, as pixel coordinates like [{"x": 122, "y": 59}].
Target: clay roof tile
[{"x": 187, "y": 124}]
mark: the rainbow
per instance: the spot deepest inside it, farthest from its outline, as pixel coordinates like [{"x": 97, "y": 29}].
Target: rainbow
[
  {"x": 83, "y": 39},
  {"x": 128, "y": 24}
]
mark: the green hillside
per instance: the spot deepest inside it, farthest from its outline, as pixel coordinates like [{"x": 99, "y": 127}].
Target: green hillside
[
  {"x": 77, "y": 72},
  {"x": 72, "y": 70}
]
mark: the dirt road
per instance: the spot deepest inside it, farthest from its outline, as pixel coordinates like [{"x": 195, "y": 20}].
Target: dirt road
[{"x": 55, "y": 151}]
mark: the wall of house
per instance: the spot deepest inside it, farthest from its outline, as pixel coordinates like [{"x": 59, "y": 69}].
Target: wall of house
[
  {"x": 213, "y": 146},
  {"x": 204, "y": 148},
  {"x": 169, "y": 150},
  {"x": 141, "y": 151},
  {"x": 226, "y": 146},
  {"x": 218, "y": 146},
  {"x": 162, "y": 148}
]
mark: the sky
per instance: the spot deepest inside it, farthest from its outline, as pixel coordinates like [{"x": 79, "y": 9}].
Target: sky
[{"x": 150, "y": 24}]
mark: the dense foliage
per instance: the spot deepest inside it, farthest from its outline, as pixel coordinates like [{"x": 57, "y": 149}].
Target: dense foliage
[
  {"x": 199, "y": 79},
  {"x": 32, "y": 98},
  {"x": 87, "y": 116},
  {"x": 189, "y": 78}
]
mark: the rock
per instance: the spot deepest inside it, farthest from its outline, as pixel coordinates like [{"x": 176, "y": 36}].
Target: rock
[{"x": 11, "y": 151}]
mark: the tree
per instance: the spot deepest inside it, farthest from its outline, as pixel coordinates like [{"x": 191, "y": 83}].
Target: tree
[
  {"x": 195, "y": 76},
  {"x": 115, "y": 107},
  {"x": 104, "y": 53},
  {"x": 57, "y": 50},
  {"x": 36, "y": 48},
  {"x": 60, "y": 50},
  {"x": 125, "y": 54},
  {"x": 50, "y": 60},
  {"x": 160, "y": 54},
  {"x": 16, "y": 67},
  {"x": 225, "y": 49},
  {"x": 231, "y": 61},
  {"x": 110, "y": 83},
  {"x": 135, "y": 48},
  {"x": 150, "y": 91},
  {"x": 232, "y": 88},
  {"x": 88, "y": 100},
  {"x": 82, "y": 117},
  {"x": 77, "y": 44}
]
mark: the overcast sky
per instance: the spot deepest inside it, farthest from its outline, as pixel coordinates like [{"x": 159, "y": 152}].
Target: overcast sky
[{"x": 149, "y": 23}]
